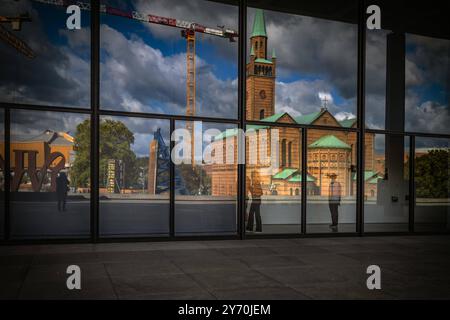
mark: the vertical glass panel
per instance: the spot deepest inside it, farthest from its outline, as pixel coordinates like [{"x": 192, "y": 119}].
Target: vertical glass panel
[
  {"x": 331, "y": 165},
  {"x": 273, "y": 179},
  {"x": 44, "y": 62},
  {"x": 50, "y": 175},
  {"x": 427, "y": 87},
  {"x": 134, "y": 176},
  {"x": 206, "y": 178},
  {"x": 159, "y": 67},
  {"x": 301, "y": 66},
  {"x": 386, "y": 183},
  {"x": 2, "y": 173},
  {"x": 432, "y": 184},
  {"x": 375, "y": 99}
]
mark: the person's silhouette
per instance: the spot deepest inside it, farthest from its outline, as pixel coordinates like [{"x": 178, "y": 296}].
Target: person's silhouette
[
  {"x": 334, "y": 200},
  {"x": 255, "y": 207},
  {"x": 62, "y": 186}
]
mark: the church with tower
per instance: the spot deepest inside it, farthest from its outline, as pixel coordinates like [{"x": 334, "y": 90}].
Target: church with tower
[{"x": 329, "y": 152}]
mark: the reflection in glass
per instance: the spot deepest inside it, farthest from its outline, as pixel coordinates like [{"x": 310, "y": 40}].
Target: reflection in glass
[
  {"x": 386, "y": 183},
  {"x": 300, "y": 66},
  {"x": 375, "y": 98},
  {"x": 156, "y": 68},
  {"x": 134, "y": 176},
  {"x": 427, "y": 85},
  {"x": 50, "y": 175},
  {"x": 206, "y": 178},
  {"x": 432, "y": 176},
  {"x": 331, "y": 197},
  {"x": 55, "y": 68},
  {"x": 273, "y": 179}
]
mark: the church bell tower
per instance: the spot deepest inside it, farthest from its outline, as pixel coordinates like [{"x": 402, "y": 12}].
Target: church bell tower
[{"x": 261, "y": 73}]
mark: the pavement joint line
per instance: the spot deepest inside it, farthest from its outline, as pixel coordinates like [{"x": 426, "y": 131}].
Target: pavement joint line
[
  {"x": 195, "y": 280},
  {"x": 275, "y": 280},
  {"x": 111, "y": 282}
]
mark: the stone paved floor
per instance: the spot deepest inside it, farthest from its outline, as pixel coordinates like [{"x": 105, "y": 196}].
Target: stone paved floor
[{"x": 315, "y": 268}]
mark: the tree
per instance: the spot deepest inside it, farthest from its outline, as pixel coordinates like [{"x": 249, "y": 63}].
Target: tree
[
  {"x": 432, "y": 174},
  {"x": 195, "y": 178},
  {"x": 115, "y": 143}
]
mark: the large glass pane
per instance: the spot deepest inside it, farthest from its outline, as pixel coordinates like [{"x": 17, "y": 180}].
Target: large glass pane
[
  {"x": 45, "y": 62},
  {"x": 427, "y": 87},
  {"x": 432, "y": 184},
  {"x": 301, "y": 66},
  {"x": 375, "y": 98},
  {"x": 386, "y": 183},
  {"x": 134, "y": 176},
  {"x": 205, "y": 178},
  {"x": 156, "y": 67},
  {"x": 273, "y": 179},
  {"x": 50, "y": 175},
  {"x": 331, "y": 198}
]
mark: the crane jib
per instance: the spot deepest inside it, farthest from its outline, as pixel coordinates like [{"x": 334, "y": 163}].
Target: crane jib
[{"x": 224, "y": 33}]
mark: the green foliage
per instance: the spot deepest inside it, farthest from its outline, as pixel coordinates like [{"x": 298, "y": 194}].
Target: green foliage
[
  {"x": 432, "y": 174},
  {"x": 115, "y": 143},
  {"x": 196, "y": 180}
]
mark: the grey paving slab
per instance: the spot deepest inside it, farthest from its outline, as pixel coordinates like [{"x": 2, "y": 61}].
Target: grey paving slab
[
  {"x": 269, "y": 293},
  {"x": 99, "y": 288},
  {"x": 304, "y": 275},
  {"x": 65, "y": 258},
  {"x": 235, "y": 279},
  {"x": 196, "y": 264},
  {"x": 342, "y": 291},
  {"x": 11, "y": 280},
  {"x": 413, "y": 267},
  {"x": 129, "y": 286},
  {"x": 156, "y": 266},
  {"x": 271, "y": 261}
]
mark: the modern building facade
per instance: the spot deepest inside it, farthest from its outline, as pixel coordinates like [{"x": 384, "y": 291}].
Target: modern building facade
[{"x": 323, "y": 102}]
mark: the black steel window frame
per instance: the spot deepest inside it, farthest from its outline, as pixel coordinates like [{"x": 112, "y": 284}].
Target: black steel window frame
[{"x": 95, "y": 112}]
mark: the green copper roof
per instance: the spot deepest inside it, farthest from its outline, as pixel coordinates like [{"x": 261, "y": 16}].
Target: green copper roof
[
  {"x": 347, "y": 123},
  {"x": 368, "y": 174},
  {"x": 329, "y": 142},
  {"x": 308, "y": 118},
  {"x": 225, "y": 134},
  {"x": 286, "y": 173},
  {"x": 274, "y": 118},
  {"x": 252, "y": 51},
  {"x": 263, "y": 61},
  {"x": 259, "y": 24},
  {"x": 298, "y": 178}
]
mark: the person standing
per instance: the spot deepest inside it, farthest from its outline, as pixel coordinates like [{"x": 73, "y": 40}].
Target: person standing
[
  {"x": 334, "y": 200},
  {"x": 255, "y": 207},
  {"x": 62, "y": 187}
]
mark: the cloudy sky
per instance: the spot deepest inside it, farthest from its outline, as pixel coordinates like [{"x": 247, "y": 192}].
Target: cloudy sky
[{"x": 143, "y": 66}]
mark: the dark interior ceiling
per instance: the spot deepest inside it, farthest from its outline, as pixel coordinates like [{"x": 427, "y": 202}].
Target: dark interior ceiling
[{"x": 428, "y": 18}]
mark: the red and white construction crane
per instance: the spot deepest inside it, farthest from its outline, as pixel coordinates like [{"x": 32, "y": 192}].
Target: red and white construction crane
[
  {"x": 189, "y": 29},
  {"x": 13, "y": 40}
]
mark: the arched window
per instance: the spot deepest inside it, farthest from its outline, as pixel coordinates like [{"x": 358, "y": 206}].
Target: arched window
[
  {"x": 256, "y": 45},
  {"x": 289, "y": 156},
  {"x": 283, "y": 153},
  {"x": 261, "y": 114},
  {"x": 297, "y": 192},
  {"x": 290, "y": 191}
]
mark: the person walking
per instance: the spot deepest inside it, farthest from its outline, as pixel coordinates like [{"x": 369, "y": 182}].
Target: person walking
[
  {"x": 62, "y": 187},
  {"x": 334, "y": 200},
  {"x": 255, "y": 207}
]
